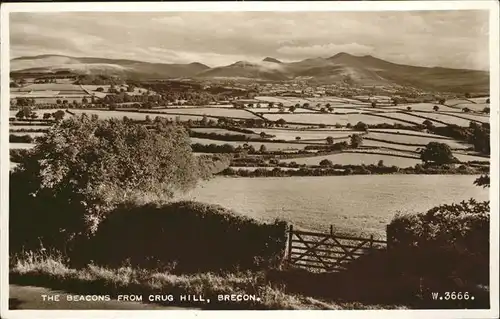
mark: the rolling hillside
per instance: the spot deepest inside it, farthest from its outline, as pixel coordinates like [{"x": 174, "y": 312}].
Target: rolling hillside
[{"x": 357, "y": 70}]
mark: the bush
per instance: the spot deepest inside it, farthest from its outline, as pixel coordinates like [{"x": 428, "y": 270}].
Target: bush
[
  {"x": 83, "y": 167},
  {"x": 449, "y": 242},
  {"x": 195, "y": 236}
]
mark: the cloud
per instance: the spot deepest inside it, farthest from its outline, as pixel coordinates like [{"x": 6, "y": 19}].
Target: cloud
[
  {"x": 446, "y": 38},
  {"x": 324, "y": 50}
]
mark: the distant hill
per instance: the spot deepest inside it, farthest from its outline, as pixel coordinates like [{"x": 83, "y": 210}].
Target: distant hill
[
  {"x": 358, "y": 70},
  {"x": 87, "y": 65}
]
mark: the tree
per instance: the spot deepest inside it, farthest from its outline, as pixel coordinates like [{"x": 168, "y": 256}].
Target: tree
[
  {"x": 486, "y": 110},
  {"x": 281, "y": 108},
  {"x": 356, "y": 140},
  {"x": 326, "y": 163},
  {"x": 297, "y": 138},
  {"x": 83, "y": 168},
  {"x": 374, "y": 104},
  {"x": 263, "y": 149},
  {"x": 281, "y": 122},
  {"x": 24, "y": 112},
  {"x": 292, "y": 108},
  {"x": 58, "y": 115},
  {"x": 360, "y": 126},
  {"x": 436, "y": 108},
  {"x": 85, "y": 101},
  {"x": 467, "y": 95},
  {"x": 395, "y": 102},
  {"x": 329, "y": 140},
  {"x": 428, "y": 124},
  {"x": 466, "y": 110},
  {"x": 408, "y": 108},
  {"x": 438, "y": 153},
  {"x": 58, "y": 101},
  {"x": 148, "y": 119},
  {"x": 262, "y": 134},
  {"x": 488, "y": 100},
  {"x": 380, "y": 163},
  {"x": 441, "y": 101},
  {"x": 99, "y": 89},
  {"x": 483, "y": 180},
  {"x": 47, "y": 116}
]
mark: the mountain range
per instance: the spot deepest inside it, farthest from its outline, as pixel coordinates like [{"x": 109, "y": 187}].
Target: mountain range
[{"x": 341, "y": 67}]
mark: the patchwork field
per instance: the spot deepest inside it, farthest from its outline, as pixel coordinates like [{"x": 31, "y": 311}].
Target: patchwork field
[
  {"x": 425, "y": 107},
  {"x": 21, "y": 146},
  {"x": 386, "y": 145},
  {"x": 282, "y": 134},
  {"x": 222, "y": 131},
  {"x": 276, "y": 110},
  {"x": 470, "y": 158},
  {"x": 251, "y": 169},
  {"x": 447, "y": 118},
  {"x": 32, "y": 134},
  {"x": 454, "y": 102},
  {"x": 330, "y": 119},
  {"x": 419, "y": 140},
  {"x": 410, "y": 132},
  {"x": 256, "y": 145},
  {"x": 473, "y": 117},
  {"x": 479, "y": 100},
  {"x": 473, "y": 106},
  {"x": 28, "y": 127},
  {"x": 222, "y": 112},
  {"x": 357, "y": 159}
]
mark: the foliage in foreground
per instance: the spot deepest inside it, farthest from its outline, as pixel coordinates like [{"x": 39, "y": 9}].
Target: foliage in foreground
[
  {"x": 447, "y": 242},
  {"x": 194, "y": 236},
  {"x": 84, "y": 167}
]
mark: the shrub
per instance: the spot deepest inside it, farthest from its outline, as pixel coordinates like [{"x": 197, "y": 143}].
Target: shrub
[
  {"x": 447, "y": 242},
  {"x": 195, "y": 236},
  {"x": 82, "y": 168}
]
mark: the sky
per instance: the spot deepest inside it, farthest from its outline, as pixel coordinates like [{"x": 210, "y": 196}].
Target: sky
[{"x": 456, "y": 39}]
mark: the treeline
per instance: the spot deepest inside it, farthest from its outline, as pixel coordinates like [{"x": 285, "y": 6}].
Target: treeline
[
  {"x": 21, "y": 138},
  {"x": 231, "y": 137},
  {"x": 343, "y": 170}
]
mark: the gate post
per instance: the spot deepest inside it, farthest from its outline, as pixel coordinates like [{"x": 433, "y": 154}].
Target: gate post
[{"x": 289, "y": 242}]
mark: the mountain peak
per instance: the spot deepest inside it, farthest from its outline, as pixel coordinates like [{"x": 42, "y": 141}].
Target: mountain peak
[
  {"x": 341, "y": 55},
  {"x": 273, "y": 60}
]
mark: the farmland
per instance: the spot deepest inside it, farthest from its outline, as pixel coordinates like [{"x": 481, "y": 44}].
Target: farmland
[
  {"x": 316, "y": 202},
  {"x": 357, "y": 159},
  {"x": 417, "y": 140},
  {"x": 330, "y": 119},
  {"x": 218, "y": 112}
]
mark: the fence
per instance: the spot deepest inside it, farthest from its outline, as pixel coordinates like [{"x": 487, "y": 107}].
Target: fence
[{"x": 326, "y": 251}]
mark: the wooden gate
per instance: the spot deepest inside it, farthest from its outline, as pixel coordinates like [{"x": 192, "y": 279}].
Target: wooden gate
[{"x": 326, "y": 251}]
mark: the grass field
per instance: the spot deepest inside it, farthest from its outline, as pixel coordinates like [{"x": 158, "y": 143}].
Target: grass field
[
  {"x": 454, "y": 102},
  {"x": 357, "y": 159},
  {"x": 420, "y": 140},
  {"x": 469, "y": 158},
  {"x": 53, "y": 87},
  {"x": 447, "y": 118},
  {"x": 276, "y": 110},
  {"x": 410, "y": 132},
  {"x": 472, "y": 106},
  {"x": 222, "y": 131},
  {"x": 225, "y": 112},
  {"x": 425, "y": 107},
  {"x": 479, "y": 100},
  {"x": 473, "y": 117},
  {"x": 13, "y": 146},
  {"x": 32, "y": 134},
  {"x": 389, "y": 145},
  {"x": 28, "y": 127},
  {"x": 305, "y": 135},
  {"x": 251, "y": 169},
  {"x": 330, "y": 119}
]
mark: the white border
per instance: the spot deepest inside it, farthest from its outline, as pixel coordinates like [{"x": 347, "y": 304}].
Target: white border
[{"x": 491, "y": 5}]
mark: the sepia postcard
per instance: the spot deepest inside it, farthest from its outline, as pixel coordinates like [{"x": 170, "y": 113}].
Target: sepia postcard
[{"x": 176, "y": 159}]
